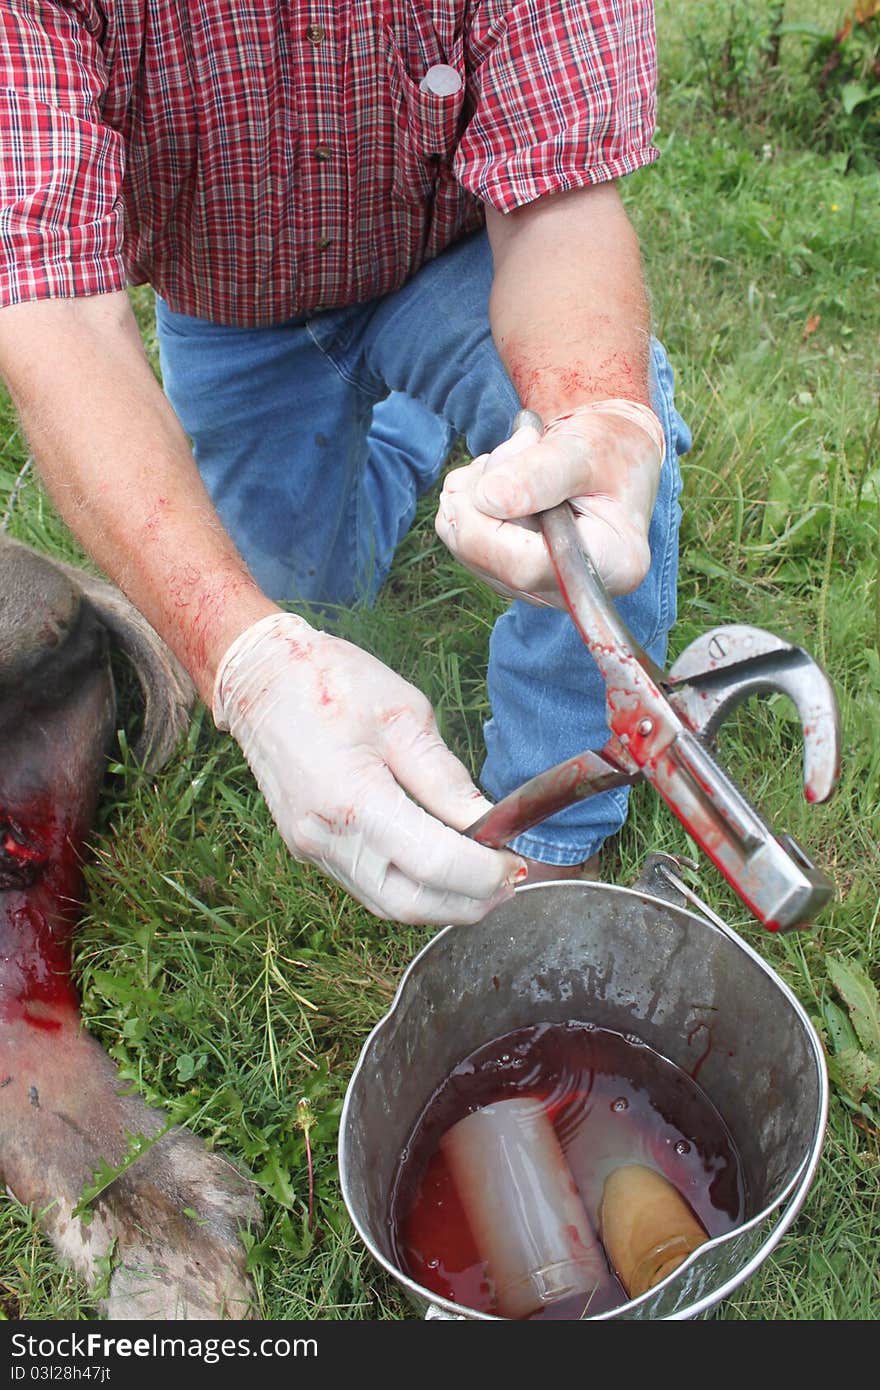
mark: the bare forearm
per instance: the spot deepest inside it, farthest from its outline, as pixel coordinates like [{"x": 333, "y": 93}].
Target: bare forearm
[
  {"x": 119, "y": 468},
  {"x": 569, "y": 310}
]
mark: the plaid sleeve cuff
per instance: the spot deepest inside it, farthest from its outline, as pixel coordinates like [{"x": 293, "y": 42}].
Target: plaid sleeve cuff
[
  {"x": 59, "y": 265},
  {"x": 512, "y": 183}
]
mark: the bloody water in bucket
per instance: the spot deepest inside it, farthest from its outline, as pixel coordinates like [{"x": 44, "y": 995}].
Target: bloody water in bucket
[{"x": 612, "y": 1100}]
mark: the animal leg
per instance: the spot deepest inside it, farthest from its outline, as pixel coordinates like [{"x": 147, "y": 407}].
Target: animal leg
[{"x": 169, "y": 1223}]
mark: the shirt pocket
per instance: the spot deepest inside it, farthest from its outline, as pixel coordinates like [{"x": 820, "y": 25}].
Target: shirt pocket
[{"x": 426, "y": 126}]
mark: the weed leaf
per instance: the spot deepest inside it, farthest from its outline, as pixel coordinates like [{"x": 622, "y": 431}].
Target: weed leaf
[
  {"x": 860, "y": 996},
  {"x": 853, "y": 94},
  {"x": 274, "y": 1179},
  {"x": 840, "y": 1030},
  {"x": 854, "y": 1072},
  {"x": 105, "y": 1174}
]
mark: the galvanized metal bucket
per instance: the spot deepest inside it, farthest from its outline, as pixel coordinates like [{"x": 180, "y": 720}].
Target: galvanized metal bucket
[{"x": 637, "y": 960}]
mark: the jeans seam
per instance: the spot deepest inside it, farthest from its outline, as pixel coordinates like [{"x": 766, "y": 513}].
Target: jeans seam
[
  {"x": 667, "y": 598},
  {"x": 353, "y": 380},
  {"x": 665, "y": 605}
]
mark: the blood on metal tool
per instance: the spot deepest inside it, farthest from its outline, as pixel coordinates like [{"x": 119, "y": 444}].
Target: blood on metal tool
[{"x": 662, "y": 725}]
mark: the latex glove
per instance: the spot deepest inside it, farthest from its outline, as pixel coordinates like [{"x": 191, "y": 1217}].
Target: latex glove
[
  {"x": 604, "y": 459},
  {"x": 338, "y": 744}
]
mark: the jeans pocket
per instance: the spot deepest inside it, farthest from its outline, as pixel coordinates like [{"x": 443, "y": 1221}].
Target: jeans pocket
[{"x": 426, "y": 125}]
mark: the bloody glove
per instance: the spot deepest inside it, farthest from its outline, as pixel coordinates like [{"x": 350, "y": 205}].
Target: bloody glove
[
  {"x": 604, "y": 459},
  {"x": 349, "y": 759}
]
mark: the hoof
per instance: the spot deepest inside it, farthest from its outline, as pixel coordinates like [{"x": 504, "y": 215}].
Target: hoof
[
  {"x": 173, "y": 1230},
  {"x": 168, "y": 1228}
]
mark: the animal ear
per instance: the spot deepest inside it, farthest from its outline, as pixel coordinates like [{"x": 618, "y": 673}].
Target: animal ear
[
  {"x": 40, "y": 611},
  {"x": 168, "y": 693}
]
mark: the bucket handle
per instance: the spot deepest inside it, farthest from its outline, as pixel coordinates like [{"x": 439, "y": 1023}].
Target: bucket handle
[{"x": 661, "y": 877}]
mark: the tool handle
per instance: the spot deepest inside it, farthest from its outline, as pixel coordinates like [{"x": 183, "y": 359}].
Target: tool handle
[{"x": 570, "y": 781}]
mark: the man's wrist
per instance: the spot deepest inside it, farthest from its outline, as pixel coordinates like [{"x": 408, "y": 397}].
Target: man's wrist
[
  {"x": 275, "y": 625},
  {"x": 222, "y": 612},
  {"x": 635, "y": 412}
]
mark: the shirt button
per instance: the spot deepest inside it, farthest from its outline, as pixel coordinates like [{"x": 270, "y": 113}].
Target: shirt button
[
  {"x": 316, "y": 33},
  {"x": 323, "y": 153},
  {"x": 323, "y": 242}
]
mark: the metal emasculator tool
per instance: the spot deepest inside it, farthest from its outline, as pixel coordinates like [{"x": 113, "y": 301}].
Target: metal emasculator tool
[{"x": 662, "y": 728}]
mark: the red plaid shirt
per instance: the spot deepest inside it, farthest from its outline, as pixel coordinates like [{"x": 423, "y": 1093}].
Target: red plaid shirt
[{"x": 256, "y": 159}]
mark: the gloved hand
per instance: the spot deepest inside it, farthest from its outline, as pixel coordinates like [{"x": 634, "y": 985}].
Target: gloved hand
[
  {"x": 339, "y": 744},
  {"x": 604, "y": 459}
]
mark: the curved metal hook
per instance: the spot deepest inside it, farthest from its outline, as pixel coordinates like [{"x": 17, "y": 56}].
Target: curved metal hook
[{"x": 725, "y": 666}]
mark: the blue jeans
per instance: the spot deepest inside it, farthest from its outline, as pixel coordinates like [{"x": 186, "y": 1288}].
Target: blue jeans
[{"x": 316, "y": 471}]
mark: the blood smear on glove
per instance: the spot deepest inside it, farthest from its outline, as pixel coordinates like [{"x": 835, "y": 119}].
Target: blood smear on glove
[{"x": 612, "y": 1101}]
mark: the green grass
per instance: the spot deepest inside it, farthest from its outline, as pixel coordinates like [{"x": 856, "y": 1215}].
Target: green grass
[{"x": 228, "y": 982}]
